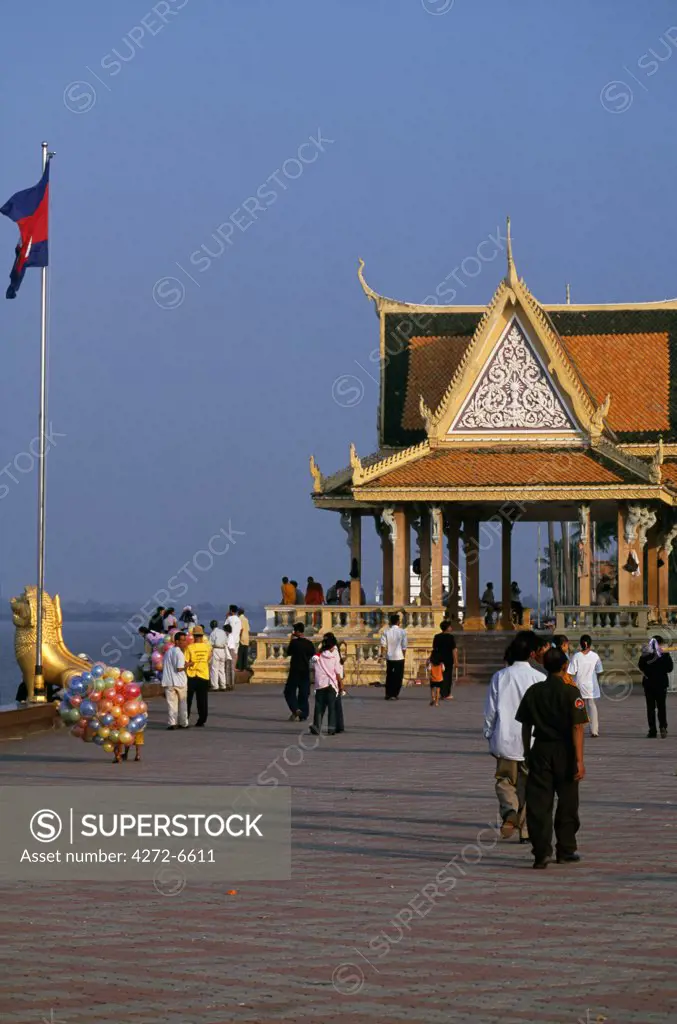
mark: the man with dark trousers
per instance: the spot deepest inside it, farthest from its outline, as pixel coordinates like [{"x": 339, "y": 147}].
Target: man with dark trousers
[
  {"x": 394, "y": 646},
  {"x": 296, "y": 693},
  {"x": 555, "y": 713},
  {"x": 198, "y": 657}
]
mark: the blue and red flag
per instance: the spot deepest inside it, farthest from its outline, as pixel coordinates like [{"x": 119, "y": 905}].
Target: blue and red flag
[{"x": 29, "y": 209}]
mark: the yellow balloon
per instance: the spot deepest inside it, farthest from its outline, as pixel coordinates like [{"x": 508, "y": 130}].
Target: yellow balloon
[
  {"x": 114, "y": 735},
  {"x": 104, "y": 732},
  {"x": 112, "y": 672},
  {"x": 127, "y": 676},
  {"x": 126, "y": 737},
  {"x": 108, "y": 747}
]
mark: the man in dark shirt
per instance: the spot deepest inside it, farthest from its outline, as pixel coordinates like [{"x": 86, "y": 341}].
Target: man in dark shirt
[
  {"x": 556, "y": 714},
  {"x": 444, "y": 645},
  {"x": 297, "y": 691}
]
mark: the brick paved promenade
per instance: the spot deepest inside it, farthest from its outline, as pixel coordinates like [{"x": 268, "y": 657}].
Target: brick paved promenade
[{"x": 378, "y": 812}]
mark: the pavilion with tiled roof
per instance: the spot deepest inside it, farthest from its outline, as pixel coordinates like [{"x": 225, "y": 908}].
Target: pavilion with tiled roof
[{"x": 517, "y": 411}]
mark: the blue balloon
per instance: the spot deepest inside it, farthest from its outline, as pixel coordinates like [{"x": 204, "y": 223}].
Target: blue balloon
[
  {"x": 99, "y": 740},
  {"x": 87, "y": 677},
  {"x": 133, "y": 726},
  {"x": 97, "y": 672},
  {"x": 87, "y": 709},
  {"x": 64, "y": 705},
  {"x": 107, "y": 719},
  {"x": 76, "y": 688}
]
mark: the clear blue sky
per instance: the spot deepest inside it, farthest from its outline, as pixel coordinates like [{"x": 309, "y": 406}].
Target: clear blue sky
[{"x": 178, "y": 421}]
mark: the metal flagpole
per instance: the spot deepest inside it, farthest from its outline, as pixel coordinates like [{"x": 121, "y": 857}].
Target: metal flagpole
[
  {"x": 538, "y": 576},
  {"x": 38, "y": 695}
]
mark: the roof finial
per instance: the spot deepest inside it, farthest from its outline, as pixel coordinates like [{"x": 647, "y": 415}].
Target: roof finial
[
  {"x": 512, "y": 273},
  {"x": 568, "y": 294}
]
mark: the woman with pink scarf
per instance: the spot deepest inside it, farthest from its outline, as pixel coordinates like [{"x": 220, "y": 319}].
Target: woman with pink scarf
[
  {"x": 655, "y": 665},
  {"x": 328, "y": 671}
]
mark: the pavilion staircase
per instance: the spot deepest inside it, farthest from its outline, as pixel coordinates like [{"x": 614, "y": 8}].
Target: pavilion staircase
[{"x": 480, "y": 655}]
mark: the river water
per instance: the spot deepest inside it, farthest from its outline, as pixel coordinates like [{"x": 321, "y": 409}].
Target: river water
[{"x": 98, "y": 640}]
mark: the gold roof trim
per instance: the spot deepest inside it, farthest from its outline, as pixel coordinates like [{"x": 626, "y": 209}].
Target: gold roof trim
[
  {"x": 318, "y": 479},
  {"x": 492, "y": 492},
  {"x": 500, "y": 298},
  {"x": 364, "y": 474},
  {"x": 594, "y": 415}
]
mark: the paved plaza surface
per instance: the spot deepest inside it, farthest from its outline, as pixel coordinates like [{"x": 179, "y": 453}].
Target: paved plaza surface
[{"x": 377, "y": 813}]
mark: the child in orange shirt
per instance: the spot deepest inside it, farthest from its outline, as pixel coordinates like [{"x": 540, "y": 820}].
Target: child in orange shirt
[{"x": 436, "y": 678}]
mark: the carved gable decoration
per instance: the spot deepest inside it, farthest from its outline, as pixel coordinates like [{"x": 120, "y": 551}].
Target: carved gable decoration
[{"x": 514, "y": 392}]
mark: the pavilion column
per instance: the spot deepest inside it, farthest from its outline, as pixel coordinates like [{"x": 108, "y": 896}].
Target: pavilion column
[
  {"x": 402, "y": 557},
  {"x": 624, "y": 577},
  {"x": 584, "y": 556},
  {"x": 471, "y": 542},
  {"x": 436, "y": 557},
  {"x": 356, "y": 558},
  {"x": 452, "y": 531},
  {"x": 506, "y": 574},
  {"x": 384, "y": 530},
  {"x": 652, "y": 542},
  {"x": 662, "y": 569},
  {"x": 425, "y": 554}
]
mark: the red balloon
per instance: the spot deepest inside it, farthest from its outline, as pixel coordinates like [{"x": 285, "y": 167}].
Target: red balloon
[
  {"x": 132, "y": 690},
  {"x": 75, "y": 701},
  {"x": 106, "y": 705},
  {"x": 119, "y": 686},
  {"x": 132, "y": 708},
  {"x": 118, "y": 700},
  {"x": 123, "y": 721},
  {"x": 95, "y": 696}
]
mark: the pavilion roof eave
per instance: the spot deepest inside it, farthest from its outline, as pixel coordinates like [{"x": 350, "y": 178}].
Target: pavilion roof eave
[{"x": 626, "y": 491}]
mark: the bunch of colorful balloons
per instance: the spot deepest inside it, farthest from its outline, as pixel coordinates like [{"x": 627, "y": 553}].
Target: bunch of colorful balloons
[
  {"x": 160, "y": 648},
  {"x": 104, "y": 706}
]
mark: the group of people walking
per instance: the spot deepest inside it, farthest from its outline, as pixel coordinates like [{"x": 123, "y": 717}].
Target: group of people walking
[
  {"x": 195, "y": 663},
  {"x": 323, "y": 669},
  {"x": 534, "y": 718}
]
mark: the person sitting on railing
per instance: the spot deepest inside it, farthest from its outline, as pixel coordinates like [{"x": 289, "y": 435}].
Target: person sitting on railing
[
  {"x": 489, "y": 602},
  {"x": 345, "y": 594},
  {"x": 299, "y": 596},
  {"x": 288, "y": 591},
  {"x": 314, "y": 592},
  {"x": 515, "y": 603},
  {"x": 332, "y": 593}
]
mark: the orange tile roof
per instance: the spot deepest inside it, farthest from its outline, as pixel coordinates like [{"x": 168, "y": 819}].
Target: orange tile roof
[
  {"x": 633, "y": 368},
  {"x": 432, "y": 364},
  {"x": 669, "y": 471},
  {"x": 449, "y": 468}
]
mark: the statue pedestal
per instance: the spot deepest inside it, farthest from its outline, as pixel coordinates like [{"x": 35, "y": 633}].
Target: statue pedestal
[{"x": 18, "y": 722}]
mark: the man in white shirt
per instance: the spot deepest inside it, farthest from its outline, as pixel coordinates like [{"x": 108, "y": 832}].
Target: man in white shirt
[
  {"x": 504, "y": 733},
  {"x": 393, "y": 645},
  {"x": 585, "y": 668},
  {"x": 175, "y": 683},
  {"x": 233, "y": 620},
  {"x": 218, "y": 639}
]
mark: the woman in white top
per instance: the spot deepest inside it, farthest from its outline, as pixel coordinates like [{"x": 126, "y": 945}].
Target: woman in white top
[
  {"x": 328, "y": 676},
  {"x": 585, "y": 668}
]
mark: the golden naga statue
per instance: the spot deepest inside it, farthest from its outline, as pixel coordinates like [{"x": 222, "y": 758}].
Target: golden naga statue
[{"x": 58, "y": 663}]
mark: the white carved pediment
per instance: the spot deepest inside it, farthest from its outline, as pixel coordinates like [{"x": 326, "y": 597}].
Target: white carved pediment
[{"x": 514, "y": 392}]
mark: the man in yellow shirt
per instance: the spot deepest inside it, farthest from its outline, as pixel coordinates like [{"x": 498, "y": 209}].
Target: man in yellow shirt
[
  {"x": 243, "y": 648},
  {"x": 288, "y": 591},
  {"x": 198, "y": 656}
]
